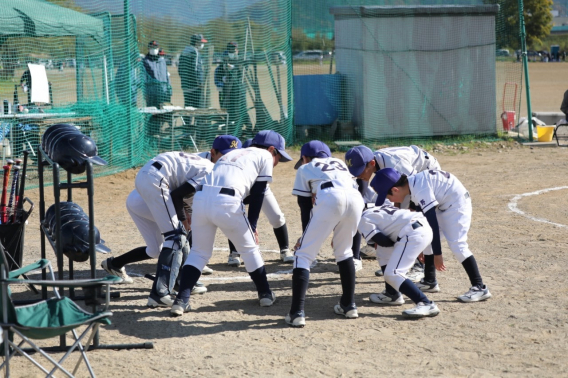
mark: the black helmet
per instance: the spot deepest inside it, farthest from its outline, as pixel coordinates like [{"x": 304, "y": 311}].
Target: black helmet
[
  {"x": 47, "y": 135},
  {"x": 75, "y": 241},
  {"x": 58, "y": 135},
  {"x": 63, "y": 206},
  {"x": 69, "y": 215},
  {"x": 71, "y": 151}
]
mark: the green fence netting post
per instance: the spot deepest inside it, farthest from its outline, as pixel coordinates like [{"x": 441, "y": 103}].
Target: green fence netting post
[{"x": 525, "y": 66}]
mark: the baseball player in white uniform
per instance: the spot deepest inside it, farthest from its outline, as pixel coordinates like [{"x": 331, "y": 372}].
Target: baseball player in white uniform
[
  {"x": 447, "y": 205},
  {"x": 363, "y": 163},
  {"x": 410, "y": 233},
  {"x": 218, "y": 204},
  {"x": 275, "y": 216},
  {"x": 156, "y": 207},
  {"x": 325, "y": 188}
]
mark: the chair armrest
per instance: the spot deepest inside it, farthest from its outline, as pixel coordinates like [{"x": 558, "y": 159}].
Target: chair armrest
[
  {"x": 40, "y": 264},
  {"x": 67, "y": 283}
]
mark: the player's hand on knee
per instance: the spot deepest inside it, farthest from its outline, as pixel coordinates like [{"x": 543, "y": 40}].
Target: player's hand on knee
[
  {"x": 297, "y": 245},
  {"x": 439, "y": 263},
  {"x": 186, "y": 224},
  {"x": 256, "y": 238},
  {"x": 421, "y": 257}
]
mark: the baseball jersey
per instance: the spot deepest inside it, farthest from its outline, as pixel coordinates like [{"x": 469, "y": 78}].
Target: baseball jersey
[
  {"x": 181, "y": 167},
  {"x": 407, "y": 160},
  {"x": 204, "y": 155},
  {"x": 386, "y": 219},
  {"x": 311, "y": 175},
  {"x": 240, "y": 169},
  {"x": 436, "y": 188}
]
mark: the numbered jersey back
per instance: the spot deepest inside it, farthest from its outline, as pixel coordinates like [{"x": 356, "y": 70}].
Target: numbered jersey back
[
  {"x": 387, "y": 219},
  {"x": 435, "y": 188},
  {"x": 180, "y": 167},
  {"x": 311, "y": 175},
  {"x": 240, "y": 169}
]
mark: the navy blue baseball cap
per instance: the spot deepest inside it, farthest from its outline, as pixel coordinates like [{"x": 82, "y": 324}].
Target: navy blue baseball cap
[
  {"x": 383, "y": 181},
  {"x": 314, "y": 148},
  {"x": 357, "y": 159},
  {"x": 226, "y": 143},
  {"x": 269, "y": 138},
  {"x": 247, "y": 143}
]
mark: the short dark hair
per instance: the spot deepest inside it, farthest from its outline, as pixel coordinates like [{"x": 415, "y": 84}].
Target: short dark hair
[
  {"x": 264, "y": 147},
  {"x": 403, "y": 180}
]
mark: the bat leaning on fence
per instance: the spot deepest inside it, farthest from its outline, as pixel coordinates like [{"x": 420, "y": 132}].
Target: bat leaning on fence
[
  {"x": 3, "y": 215},
  {"x": 20, "y": 203},
  {"x": 10, "y": 209}
]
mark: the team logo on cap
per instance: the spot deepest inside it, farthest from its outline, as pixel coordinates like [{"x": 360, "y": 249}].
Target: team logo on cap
[
  {"x": 234, "y": 144},
  {"x": 348, "y": 162}
]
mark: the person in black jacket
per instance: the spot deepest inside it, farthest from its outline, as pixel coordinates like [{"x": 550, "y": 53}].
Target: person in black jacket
[
  {"x": 158, "y": 88},
  {"x": 564, "y": 106},
  {"x": 191, "y": 72}
]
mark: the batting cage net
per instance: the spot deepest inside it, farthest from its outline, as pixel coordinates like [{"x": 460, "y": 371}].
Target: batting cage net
[{"x": 142, "y": 77}]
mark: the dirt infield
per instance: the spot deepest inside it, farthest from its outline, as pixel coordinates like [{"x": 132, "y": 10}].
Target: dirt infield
[{"x": 521, "y": 331}]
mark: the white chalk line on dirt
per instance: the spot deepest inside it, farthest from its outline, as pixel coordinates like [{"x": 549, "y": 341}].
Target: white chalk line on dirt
[{"x": 513, "y": 205}]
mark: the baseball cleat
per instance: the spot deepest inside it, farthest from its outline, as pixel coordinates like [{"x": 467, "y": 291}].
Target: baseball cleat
[
  {"x": 267, "y": 299},
  {"x": 234, "y": 259},
  {"x": 379, "y": 273},
  {"x": 350, "y": 312},
  {"x": 422, "y": 310},
  {"x": 428, "y": 287},
  {"x": 296, "y": 320},
  {"x": 199, "y": 288},
  {"x": 107, "y": 266},
  {"x": 180, "y": 307},
  {"x": 206, "y": 270},
  {"x": 476, "y": 294},
  {"x": 387, "y": 299},
  {"x": 368, "y": 252},
  {"x": 287, "y": 256},
  {"x": 155, "y": 301}
]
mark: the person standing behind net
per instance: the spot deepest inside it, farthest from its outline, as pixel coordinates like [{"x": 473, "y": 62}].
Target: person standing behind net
[
  {"x": 158, "y": 87},
  {"x": 191, "y": 73}
]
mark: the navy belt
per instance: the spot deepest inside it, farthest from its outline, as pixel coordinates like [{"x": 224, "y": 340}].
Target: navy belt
[
  {"x": 157, "y": 165},
  {"x": 414, "y": 225},
  {"x": 226, "y": 191},
  {"x": 326, "y": 185}
]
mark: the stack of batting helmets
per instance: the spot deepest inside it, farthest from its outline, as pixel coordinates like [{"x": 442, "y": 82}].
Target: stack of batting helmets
[
  {"x": 71, "y": 149},
  {"x": 74, "y": 231}
]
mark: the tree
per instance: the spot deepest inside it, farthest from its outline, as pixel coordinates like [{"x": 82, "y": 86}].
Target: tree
[{"x": 538, "y": 22}]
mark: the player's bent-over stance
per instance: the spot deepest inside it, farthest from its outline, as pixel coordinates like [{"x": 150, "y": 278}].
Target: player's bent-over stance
[
  {"x": 447, "y": 205},
  {"x": 410, "y": 234},
  {"x": 337, "y": 208},
  {"x": 156, "y": 207},
  {"x": 218, "y": 204}
]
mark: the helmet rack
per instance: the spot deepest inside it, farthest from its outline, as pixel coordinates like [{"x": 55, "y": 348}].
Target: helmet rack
[{"x": 58, "y": 186}]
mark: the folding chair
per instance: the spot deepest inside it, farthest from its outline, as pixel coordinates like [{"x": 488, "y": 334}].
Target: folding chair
[
  {"x": 561, "y": 133},
  {"x": 47, "y": 318}
]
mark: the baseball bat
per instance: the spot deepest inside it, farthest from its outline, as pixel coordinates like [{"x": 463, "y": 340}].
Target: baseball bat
[
  {"x": 14, "y": 209},
  {"x": 10, "y": 209},
  {"x": 4, "y": 192},
  {"x": 20, "y": 203}
]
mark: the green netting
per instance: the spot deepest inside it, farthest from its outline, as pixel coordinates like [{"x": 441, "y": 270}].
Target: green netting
[{"x": 339, "y": 70}]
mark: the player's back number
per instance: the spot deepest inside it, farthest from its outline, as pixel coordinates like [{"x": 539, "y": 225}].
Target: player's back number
[{"x": 331, "y": 166}]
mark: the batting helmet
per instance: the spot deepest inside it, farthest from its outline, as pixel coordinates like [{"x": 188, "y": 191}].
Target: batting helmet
[
  {"x": 75, "y": 240},
  {"x": 53, "y": 130},
  {"x": 63, "y": 206},
  {"x": 71, "y": 152},
  {"x": 70, "y": 215}
]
